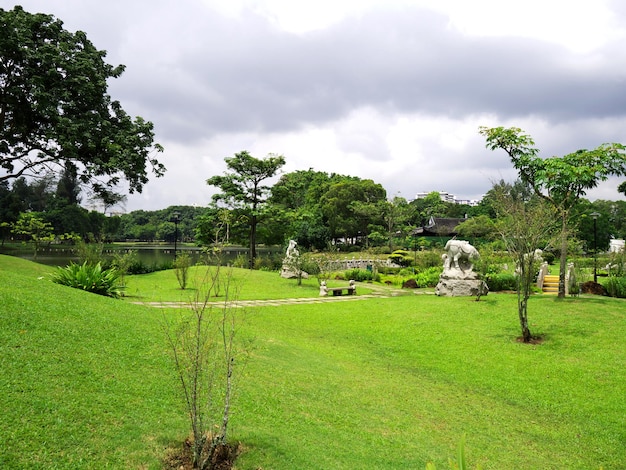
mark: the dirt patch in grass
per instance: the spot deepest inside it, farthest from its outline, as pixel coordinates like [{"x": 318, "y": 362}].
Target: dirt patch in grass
[
  {"x": 534, "y": 340},
  {"x": 181, "y": 458}
]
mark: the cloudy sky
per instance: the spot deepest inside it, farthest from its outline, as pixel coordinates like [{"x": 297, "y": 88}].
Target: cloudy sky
[{"x": 390, "y": 90}]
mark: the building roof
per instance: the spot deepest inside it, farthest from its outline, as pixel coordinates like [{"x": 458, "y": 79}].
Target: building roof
[{"x": 438, "y": 227}]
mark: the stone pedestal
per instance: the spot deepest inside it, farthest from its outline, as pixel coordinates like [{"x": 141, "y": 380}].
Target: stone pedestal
[
  {"x": 290, "y": 273},
  {"x": 455, "y": 282}
]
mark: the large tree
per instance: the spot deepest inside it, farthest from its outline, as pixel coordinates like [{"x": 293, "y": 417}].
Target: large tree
[
  {"x": 561, "y": 181},
  {"x": 241, "y": 188},
  {"x": 350, "y": 206},
  {"x": 55, "y": 113}
]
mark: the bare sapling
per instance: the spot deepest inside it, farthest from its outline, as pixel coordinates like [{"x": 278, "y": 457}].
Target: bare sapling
[{"x": 205, "y": 354}]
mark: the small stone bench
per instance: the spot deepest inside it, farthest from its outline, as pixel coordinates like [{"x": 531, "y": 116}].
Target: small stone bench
[{"x": 349, "y": 290}]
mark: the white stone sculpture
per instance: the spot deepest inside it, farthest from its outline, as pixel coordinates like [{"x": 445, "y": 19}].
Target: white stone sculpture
[
  {"x": 458, "y": 278},
  {"x": 460, "y": 254},
  {"x": 291, "y": 268}
]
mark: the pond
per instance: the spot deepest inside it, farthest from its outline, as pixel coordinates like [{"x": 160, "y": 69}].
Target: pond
[{"x": 150, "y": 255}]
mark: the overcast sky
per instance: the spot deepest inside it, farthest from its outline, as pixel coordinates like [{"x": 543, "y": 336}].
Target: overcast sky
[{"x": 389, "y": 90}]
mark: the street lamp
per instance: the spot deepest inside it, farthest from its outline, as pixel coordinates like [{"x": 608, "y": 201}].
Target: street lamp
[
  {"x": 595, "y": 216},
  {"x": 176, "y": 220}
]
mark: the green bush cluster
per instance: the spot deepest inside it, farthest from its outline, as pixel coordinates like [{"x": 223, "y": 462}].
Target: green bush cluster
[
  {"x": 428, "y": 277},
  {"x": 269, "y": 262},
  {"x": 360, "y": 275},
  {"x": 616, "y": 286},
  {"x": 391, "y": 270},
  {"x": 140, "y": 267},
  {"x": 428, "y": 259},
  {"x": 90, "y": 277},
  {"x": 501, "y": 281},
  {"x": 401, "y": 257}
]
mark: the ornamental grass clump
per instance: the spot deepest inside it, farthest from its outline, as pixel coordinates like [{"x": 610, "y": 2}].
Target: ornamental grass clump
[{"x": 91, "y": 278}]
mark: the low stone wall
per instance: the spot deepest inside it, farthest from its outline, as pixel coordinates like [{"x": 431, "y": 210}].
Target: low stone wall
[{"x": 353, "y": 263}]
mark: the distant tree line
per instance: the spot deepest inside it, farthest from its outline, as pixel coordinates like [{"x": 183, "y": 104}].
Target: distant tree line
[{"x": 314, "y": 208}]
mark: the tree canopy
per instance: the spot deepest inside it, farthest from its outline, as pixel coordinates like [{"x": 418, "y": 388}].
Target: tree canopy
[
  {"x": 56, "y": 114},
  {"x": 242, "y": 187}
]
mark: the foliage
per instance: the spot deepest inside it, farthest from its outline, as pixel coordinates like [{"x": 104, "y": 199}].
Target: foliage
[
  {"x": 349, "y": 207},
  {"x": 615, "y": 286},
  {"x": 90, "y": 277},
  {"x": 401, "y": 258},
  {"x": 56, "y": 111},
  {"x": 525, "y": 225},
  {"x": 204, "y": 352},
  {"x": 428, "y": 277},
  {"x": 123, "y": 262},
  {"x": 501, "y": 282},
  {"x": 181, "y": 269},
  {"x": 269, "y": 262},
  {"x": 481, "y": 226},
  {"x": 360, "y": 275},
  {"x": 35, "y": 228},
  {"x": 427, "y": 259},
  {"x": 90, "y": 253}
]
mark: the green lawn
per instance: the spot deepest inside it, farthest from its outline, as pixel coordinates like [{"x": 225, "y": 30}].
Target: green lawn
[
  {"x": 161, "y": 286},
  {"x": 374, "y": 383}
]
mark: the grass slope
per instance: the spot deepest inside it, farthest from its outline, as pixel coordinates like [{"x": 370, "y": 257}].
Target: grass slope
[
  {"x": 86, "y": 380},
  {"x": 372, "y": 383}
]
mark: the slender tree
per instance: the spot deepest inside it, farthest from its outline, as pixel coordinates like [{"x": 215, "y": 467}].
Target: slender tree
[
  {"x": 242, "y": 188},
  {"x": 525, "y": 225},
  {"x": 561, "y": 181}
]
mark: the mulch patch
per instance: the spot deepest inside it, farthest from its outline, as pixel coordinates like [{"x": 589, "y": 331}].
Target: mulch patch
[
  {"x": 533, "y": 340},
  {"x": 591, "y": 287},
  {"x": 181, "y": 458}
]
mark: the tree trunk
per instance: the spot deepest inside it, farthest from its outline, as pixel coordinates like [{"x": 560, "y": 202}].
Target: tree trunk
[
  {"x": 563, "y": 259},
  {"x": 252, "y": 259},
  {"x": 523, "y": 320}
]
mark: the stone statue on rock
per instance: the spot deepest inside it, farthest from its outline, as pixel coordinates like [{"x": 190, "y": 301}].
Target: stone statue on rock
[
  {"x": 458, "y": 277},
  {"x": 291, "y": 263},
  {"x": 459, "y": 255}
]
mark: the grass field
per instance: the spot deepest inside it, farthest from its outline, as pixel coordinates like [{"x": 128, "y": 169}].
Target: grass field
[{"x": 376, "y": 383}]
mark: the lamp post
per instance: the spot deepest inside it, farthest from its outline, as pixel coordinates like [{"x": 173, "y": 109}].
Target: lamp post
[
  {"x": 595, "y": 216},
  {"x": 176, "y": 219}
]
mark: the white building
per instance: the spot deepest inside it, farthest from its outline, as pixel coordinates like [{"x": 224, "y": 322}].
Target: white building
[{"x": 447, "y": 197}]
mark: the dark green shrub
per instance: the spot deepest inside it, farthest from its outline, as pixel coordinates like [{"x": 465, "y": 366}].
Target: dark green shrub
[
  {"x": 268, "y": 263},
  {"x": 548, "y": 257},
  {"x": 90, "y": 277},
  {"x": 360, "y": 275},
  {"x": 388, "y": 270},
  {"x": 401, "y": 257},
  {"x": 140, "y": 267},
  {"x": 429, "y": 277},
  {"x": 182, "y": 263},
  {"x": 501, "y": 281},
  {"x": 428, "y": 259},
  {"x": 615, "y": 286}
]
